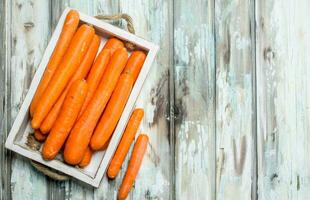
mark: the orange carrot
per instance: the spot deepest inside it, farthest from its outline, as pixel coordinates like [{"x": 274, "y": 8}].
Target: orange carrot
[
  {"x": 39, "y": 136},
  {"x": 112, "y": 113},
  {"x": 82, "y": 131},
  {"x": 81, "y": 73},
  {"x": 133, "y": 166},
  {"x": 70, "y": 62},
  {"x": 113, "y": 44},
  {"x": 98, "y": 69},
  {"x": 134, "y": 64},
  {"x": 70, "y": 25},
  {"x": 105, "y": 146},
  {"x": 88, "y": 155},
  {"x": 118, "y": 101},
  {"x": 86, "y": 158},
  {"x": 95, "y": 75},
  {"x": 69, "y": 112},
  {"x": 124, "y": 145}
]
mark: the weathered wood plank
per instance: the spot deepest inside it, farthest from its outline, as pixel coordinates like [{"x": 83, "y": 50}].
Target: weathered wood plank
[
  {"x": 29, "y": 38},
  {"x": 57, "y": 190},
  {"x": 194, "y": 99},
  {"x": 154, "y": 178},
  {"x": 234, "y": 104},
  {"x": 283, "y": 48},
  {"x": 153, "y": 21},
  {"x": 5, "y": 156}
]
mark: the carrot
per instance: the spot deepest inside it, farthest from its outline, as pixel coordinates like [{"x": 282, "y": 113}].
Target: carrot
[
  {"x": 82, "y": 131},
  {"x": 95, "y": 75},
  {"x": 134, "y": 63},
  {"x": 124, "y": 145},
  {"x": 118, "y": 101},
  {"x": 133, "y": 166},
  {"x": 98, "y": 69},
  {"x": 105, "y": 146},
  {"x": 88, "y": 155},
  {"x": 39, "y": 136},
  {"x": 86, "y": 158},
  {"x": 69, "y": 112},
  {"x": 70, "y": 62},
  {"x": 113, "y": 44},
  {"x": 81, "y": 73},
  {"x": 70, "y": 25},
  {"x": 93, "y": 80},
  {"x": 112, "y": 113}
]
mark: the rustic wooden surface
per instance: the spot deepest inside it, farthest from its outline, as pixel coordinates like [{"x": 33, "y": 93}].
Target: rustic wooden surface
[{"x": 227, "y": 101}]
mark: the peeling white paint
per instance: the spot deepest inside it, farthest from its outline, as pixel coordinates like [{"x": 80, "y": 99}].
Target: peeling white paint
[
  {"x": 234, "y": 102},
  {"x": 283, "y": 97},
  {"x": 282, "y": 47},
  {"x": 29, "y": 37},
  {"x": 154, "y": 177}
]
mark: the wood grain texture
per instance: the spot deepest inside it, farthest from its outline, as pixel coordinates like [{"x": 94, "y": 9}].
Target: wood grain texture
[
  {"x": 5, "y": 119},
  {"x": 234, "y": 92},
  {"x": 199, "y": 99},
  {"x": 154, "y": 178},
  {"x": 194, "y": 99},
  {"x": 29, "y": 37},
  {"x": 283, "y": 47}
]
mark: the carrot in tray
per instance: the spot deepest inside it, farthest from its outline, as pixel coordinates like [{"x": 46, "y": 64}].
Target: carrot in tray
[
  {"x": 135, "y": 63},
  {"x": 62, "y": 126},
  {"x": 89, "y": 153},
  {"x": 70, "y": 62},
  {"x": 133, "y": 166},
  {"x": 124, "y": 145},
  {"x": 81, "y": 73},
  {"x": 113, "y": 44},
  {"x": 118, "y": 101},
  {"x": 86, "y": 158},
  {"x": 39, "y": 136},
  {"x": 99, "y": 67},
  {"x": 95, "y": 75},
  {"x": 112, "y": 113},
  {"x": 70, "y": 25},
  {"x": 82, "y": 131},
  {"x": 105, "y": 146}
]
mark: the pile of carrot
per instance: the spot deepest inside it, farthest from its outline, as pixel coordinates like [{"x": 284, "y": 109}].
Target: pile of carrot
[{"x": 81, "y": 97}]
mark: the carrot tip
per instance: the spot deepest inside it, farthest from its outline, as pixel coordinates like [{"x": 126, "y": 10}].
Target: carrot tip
[
  {"x": 94, "y": 146},
  {"x": 34, "y": 125},
  {"x": 70, "y": 160},
  {"x": 111, "y": 174}
]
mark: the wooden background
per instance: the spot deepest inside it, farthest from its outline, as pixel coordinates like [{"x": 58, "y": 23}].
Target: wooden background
[{"x": 227, "y": 101}]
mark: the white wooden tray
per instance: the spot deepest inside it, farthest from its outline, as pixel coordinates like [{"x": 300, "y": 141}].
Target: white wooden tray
[{"x": 21, "y": 128}]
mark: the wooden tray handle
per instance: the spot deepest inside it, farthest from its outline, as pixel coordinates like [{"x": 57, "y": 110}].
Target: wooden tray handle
[
  {"x": 53, "y": 174},
  {"x": 128, "y": 20}
]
